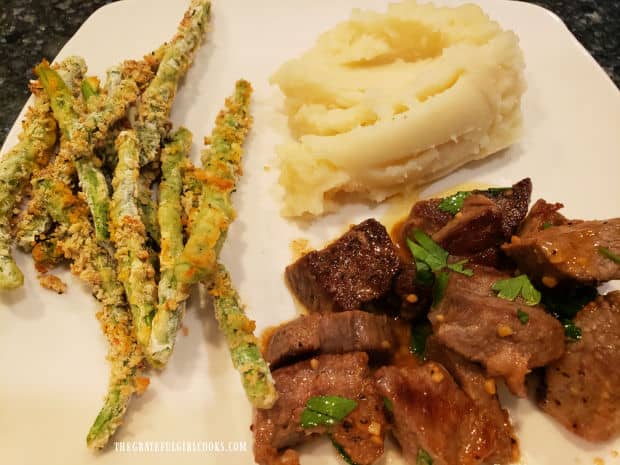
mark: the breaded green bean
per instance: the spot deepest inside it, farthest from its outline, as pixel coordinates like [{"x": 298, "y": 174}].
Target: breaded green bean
[
  {"x": 148, "y": 209},
  {"x": 72, "y": 71},
  {"x": 192, "y": 193},
  {"x": 221, "y": 168},
  {"x": 78, "y": 135},
  {"x": 36, "y": 220},
  {"x": 129, "y": 237},
  {"x": 93, "y": 264},
  {"x": 16, "y": 166},
  {"x": 243, "y": 345},
  {"x": 156, "y": 102},
  {"x": 198, "y": 261},
  {"x": 170, "y": 310}
]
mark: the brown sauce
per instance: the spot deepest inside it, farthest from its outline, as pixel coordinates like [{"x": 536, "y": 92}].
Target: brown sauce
[
  {"x": 403, "y": 356},
  {"x": 396, "y": 233}
]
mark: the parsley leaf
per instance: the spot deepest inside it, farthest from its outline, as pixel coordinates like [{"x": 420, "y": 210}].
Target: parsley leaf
[
  {"x": 495, "y": 191},
  {"x": 510, "y": 288},
  {"x": 431, "y": 257},
  {"x": 523, "y": 317},
  {"x": 423, "y": 458},
  {"x": 547, "y": 225},
  {"x": 458, "y": 267},
  {"x": 571, "y": 331},
  {"x": 453, "y": 203},
  {"x": 389, "y": 406},
  {"x": 605, "y": 252},
  {"x": 417, "y": 340},
  {"x": 326, "y": 410},
  {"x": 428, "y": 250},
  {"x": 439, "y": 289}
]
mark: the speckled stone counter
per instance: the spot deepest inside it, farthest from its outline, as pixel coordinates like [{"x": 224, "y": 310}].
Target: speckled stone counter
[{"x": 32, "y": 29}]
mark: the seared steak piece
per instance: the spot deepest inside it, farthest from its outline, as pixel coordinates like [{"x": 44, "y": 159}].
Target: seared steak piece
[
  {"x": 583, "y": 387},
  {"x": 542, "y": 215},
  {"x": 471, "y": 378},
  {"x": 427, "y": 216},
  {"x": 431, "y": 412},
  {"x": 485, "y": 221},
  {"x": 355, "y": 269},
  {"x": 351, "y": 331},
  {"x": 569, "y": 252},
  {"x": 346, "y": 375},
  {"x": 475, "y": 228},
  {"x": 471, "y": 320}
]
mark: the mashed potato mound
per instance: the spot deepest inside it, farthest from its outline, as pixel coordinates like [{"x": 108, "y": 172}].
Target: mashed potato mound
[{"x": 395, "y": 99}]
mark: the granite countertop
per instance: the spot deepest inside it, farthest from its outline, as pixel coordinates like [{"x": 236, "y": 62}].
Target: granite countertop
[{"x": 32, "y": 29}]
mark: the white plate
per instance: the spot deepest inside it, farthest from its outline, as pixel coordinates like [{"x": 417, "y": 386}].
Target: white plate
[{"x": 52, "y": 352}]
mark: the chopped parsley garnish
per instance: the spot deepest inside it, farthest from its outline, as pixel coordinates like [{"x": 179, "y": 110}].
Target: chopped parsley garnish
[
  {"x": 572, "y": 332},
  {"x": 326, "y": 410},
  {"x": 495, "y": 191},
  {"x": 431, "y": 257},
  {"x": 453, "y": 203},
  {"x": 417, "y": 341},
  {"x": 547, "y": 225},
  {"x": 341, "y": 451},
  {"x": 523, "y": 317},
  {"x": 423, "y": 458},
  {"x": 389, "y": 406},
  {"x": 510, "y": 289},
  {"x": 427, "y": 251},
  {"x": 605, "y": 252},
  {"x": 458, "y": 267},
  {"x": 431, "y": 262},
  {"x": 439, "y": 288}
]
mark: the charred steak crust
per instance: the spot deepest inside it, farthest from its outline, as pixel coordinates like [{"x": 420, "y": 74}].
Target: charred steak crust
[
  {"x": 355, "y": 269},
  {"x": 514, "y": 204},
  {"x": 542, "y": 215},
  {"x": 583, "y": 387},
  {"x": 427, "y": 216},
  {"x": 471, "y": 320},
  {"x": 345, "y": 375},
  {"x": 481, "y": 389},
  {"x": 430, "y": 411},
  {"x": 569, "y": 252},
  {"x": 350, "y": 331}
]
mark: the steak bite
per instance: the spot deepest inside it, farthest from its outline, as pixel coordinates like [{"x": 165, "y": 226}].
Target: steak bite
[
  {"x": 542, "y": 215},
  {"x": 569, "y": 252},
  {"x": 351, "y": 331},
  {"x": 471, "y": 320},
  {"x": 486, "y": 219},
  {"x": 356, "y": 269},
  {"x": 475, "y": 228},
  {"x": 279, "y": 428},
  {"x": 472, "y": 379},
  {"x": 431, "y": 412},
  {"x": 583, "y": 387}
]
